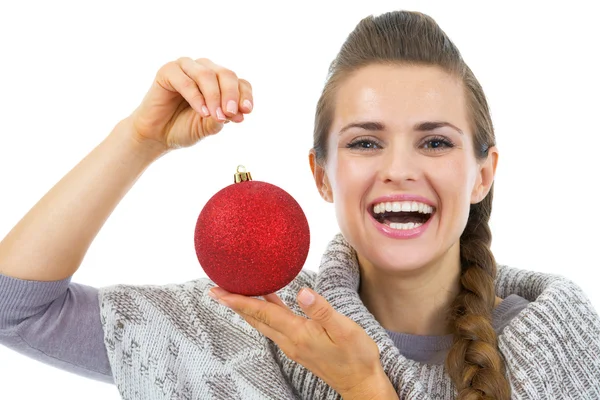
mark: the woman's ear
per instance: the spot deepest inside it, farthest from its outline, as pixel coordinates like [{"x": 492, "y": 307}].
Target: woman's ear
[
  {"x": 485, "y": 178},
  {"x": 320, "y": 176}
]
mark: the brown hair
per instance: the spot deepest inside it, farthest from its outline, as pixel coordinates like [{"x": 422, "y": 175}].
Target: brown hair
[{"x": 412, "y": 38}]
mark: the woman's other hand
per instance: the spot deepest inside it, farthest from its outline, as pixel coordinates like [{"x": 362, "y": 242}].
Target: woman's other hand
[
  {"x": 329, "y": 344},
  {"x": 189, "y": 100}
]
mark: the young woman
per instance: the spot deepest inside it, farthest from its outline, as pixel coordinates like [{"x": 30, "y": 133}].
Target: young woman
[{"x": 408, "y": 301}]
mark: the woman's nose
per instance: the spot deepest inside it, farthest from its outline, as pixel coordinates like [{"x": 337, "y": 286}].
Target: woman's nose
[{"x": 399, "y": 164}]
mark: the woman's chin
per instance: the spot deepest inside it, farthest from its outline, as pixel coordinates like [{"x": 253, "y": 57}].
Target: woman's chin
[{"x": 400, "y": 256}]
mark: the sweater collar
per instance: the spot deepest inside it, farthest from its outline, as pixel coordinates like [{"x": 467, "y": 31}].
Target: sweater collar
[{"x": 338, "y": 282}]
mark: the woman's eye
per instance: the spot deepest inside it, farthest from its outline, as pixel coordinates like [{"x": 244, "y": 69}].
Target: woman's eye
[
  {"x": 363, "y": 144},
  {"x": 437, "y": 143}
]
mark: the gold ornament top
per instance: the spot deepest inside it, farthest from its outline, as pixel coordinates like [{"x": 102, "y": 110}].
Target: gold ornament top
[{"x": 241, "y": 175}]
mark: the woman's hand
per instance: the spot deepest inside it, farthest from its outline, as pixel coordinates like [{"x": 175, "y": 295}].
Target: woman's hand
[
  {"x": 329, "y": 344},
  {"x": 189, "y": 100}
]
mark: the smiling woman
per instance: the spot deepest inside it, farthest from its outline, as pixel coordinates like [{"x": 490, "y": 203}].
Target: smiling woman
[
  {"x": 415, "y": 132},
  {"x": 408, "y": 302}
]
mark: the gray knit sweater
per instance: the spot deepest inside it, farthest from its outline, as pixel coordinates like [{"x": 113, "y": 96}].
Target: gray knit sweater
[{"x": 175, "y": 342}]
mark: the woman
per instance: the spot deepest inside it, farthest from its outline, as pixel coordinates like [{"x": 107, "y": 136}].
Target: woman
[{"x": 408, "y": 301}]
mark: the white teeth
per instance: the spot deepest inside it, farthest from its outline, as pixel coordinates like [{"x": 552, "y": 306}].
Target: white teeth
[
  {"x": 407, "y": 226},
  {"x": 404, "y": 206}
]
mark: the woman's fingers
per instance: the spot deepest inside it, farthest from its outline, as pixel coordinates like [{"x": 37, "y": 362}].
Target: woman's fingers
[
  {"x": 230, "y": 95},
  {"x": 273, "y": 298},
  {"x": 267, "y": 330},
  {"x": 246, "y": 99},
  {"x": 218, "y": 92},
  {"x": 319, "y": 310},
  {"x": 207, "y": 83},
  {"x": 228, "y": 86},
  {"x": 272, "y": 313},
  {"x": 174, "y": 79}
]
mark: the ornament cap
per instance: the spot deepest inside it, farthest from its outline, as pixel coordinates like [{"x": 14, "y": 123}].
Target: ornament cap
[{"x": 241, "y": 175}]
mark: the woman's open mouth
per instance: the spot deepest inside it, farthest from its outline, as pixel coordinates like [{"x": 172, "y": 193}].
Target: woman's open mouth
[{"x": 402, "y": 218}]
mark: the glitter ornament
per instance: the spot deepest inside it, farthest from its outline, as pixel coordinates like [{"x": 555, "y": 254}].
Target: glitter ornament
[{"x": 251, "y": 237}]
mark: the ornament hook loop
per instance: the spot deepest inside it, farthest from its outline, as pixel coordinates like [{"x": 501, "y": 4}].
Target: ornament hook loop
[{"x": 241, "y": 175}]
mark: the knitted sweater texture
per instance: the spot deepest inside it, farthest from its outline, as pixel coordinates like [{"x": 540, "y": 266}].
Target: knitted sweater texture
[{"x": 175, "y": 342}]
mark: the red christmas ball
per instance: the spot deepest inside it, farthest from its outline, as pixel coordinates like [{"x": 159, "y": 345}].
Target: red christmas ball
[{"x": 252, "y": 237}]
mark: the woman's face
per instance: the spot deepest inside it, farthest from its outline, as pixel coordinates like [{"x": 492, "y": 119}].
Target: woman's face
[{"x": 401, "y": 169}]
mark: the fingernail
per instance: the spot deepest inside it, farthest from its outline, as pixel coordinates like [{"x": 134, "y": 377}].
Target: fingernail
[
  {"x": 232, "y": 107},
  {"x": 305, "y": 297},
  {"x": 212, "y": 294},
  {"x": 205, "y": 111},
  {"x": 248, "y": 105},
  {"x": 220, "y": 114}
]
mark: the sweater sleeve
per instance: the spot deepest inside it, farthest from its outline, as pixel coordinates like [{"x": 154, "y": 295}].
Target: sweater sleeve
[{"x": 57, "y": 323}]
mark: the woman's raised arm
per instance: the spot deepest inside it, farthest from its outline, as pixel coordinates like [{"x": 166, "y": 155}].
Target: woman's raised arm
[{"x": 188, "y": 100}]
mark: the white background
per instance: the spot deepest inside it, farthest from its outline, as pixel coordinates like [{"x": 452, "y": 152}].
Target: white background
[{"x": 70, "y": 71}]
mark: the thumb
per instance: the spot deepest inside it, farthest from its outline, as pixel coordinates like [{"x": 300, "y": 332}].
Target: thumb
[
  {"x": 318, "y": 309},
  {"x": 212, "y": 126}
]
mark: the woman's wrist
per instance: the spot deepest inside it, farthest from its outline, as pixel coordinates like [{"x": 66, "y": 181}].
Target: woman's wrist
[{"x": 148, "y": 150}]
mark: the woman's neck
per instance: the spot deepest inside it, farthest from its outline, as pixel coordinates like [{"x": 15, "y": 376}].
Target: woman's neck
[{"x": 414, "y": 302}]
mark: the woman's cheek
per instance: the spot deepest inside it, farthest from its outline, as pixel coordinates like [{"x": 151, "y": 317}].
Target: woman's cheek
[{"x": 452, "y": 172}]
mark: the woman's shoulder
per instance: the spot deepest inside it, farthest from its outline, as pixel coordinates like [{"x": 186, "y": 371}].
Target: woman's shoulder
[
  {"x": 555, "y": 338},
  {"x": 547, "y": 302},
  {"x": 530, "y": 284}
]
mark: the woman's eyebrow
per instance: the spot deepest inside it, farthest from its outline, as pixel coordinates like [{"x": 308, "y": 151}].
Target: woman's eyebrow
[
  {"x": 431, "y": 125},
  {"x": 367, "y": 125},
  {"x": 378, "y": 126}
]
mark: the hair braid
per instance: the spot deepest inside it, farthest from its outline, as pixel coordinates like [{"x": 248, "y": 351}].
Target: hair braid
[{"x": 474, "y": 363}]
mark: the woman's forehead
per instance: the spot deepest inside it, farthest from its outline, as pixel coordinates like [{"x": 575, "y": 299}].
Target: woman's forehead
[{"x": 400, "y": 96}]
